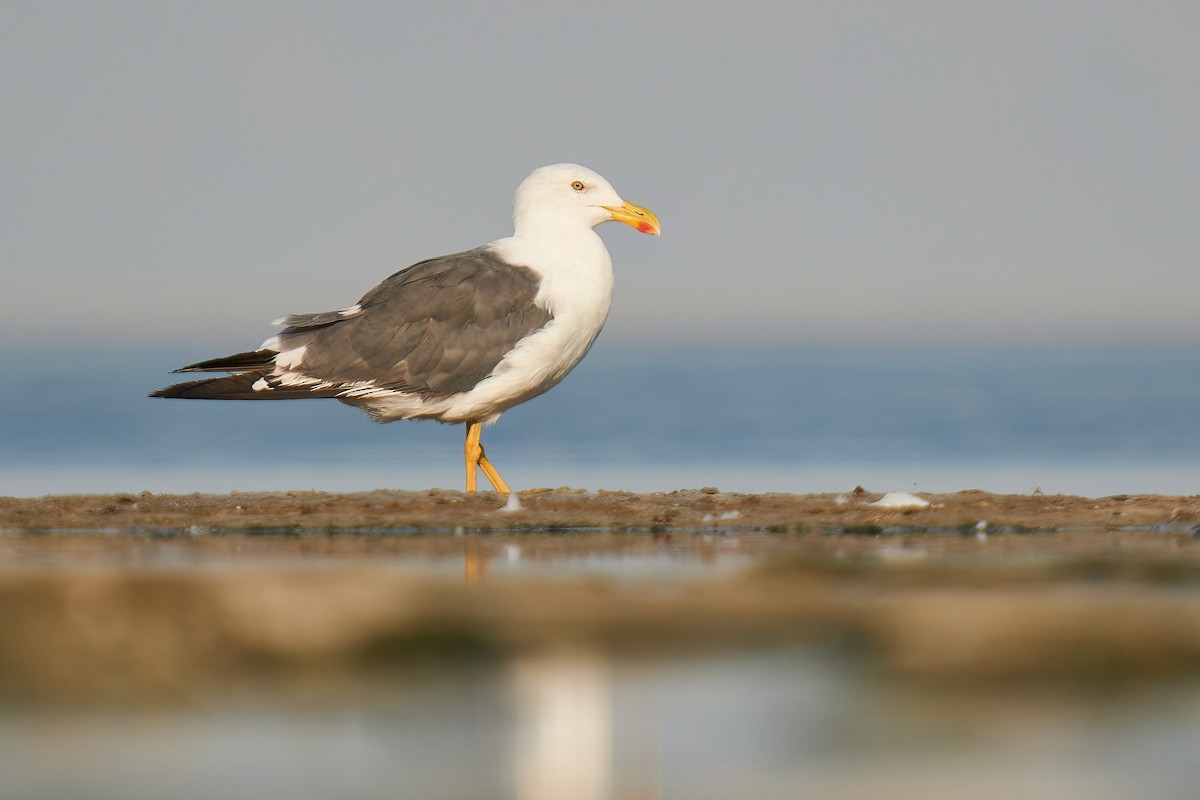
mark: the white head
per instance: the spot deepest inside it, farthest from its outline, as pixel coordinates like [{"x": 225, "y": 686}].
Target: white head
[{"x": 574, "y": 196}]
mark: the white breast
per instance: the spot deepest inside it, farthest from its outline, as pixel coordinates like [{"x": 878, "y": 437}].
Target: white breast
[{"x": 576, "y": 287}]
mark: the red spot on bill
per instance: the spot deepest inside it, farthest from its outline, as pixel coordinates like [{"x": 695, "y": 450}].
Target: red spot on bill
[{"x": 645, "y": 227}]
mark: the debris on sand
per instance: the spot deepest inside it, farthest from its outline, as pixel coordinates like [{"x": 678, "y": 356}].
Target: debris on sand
[{"x": 900, "y": 500}]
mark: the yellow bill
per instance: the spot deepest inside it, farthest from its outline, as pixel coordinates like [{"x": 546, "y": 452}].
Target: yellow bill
[{"x": 635, "y": 216}]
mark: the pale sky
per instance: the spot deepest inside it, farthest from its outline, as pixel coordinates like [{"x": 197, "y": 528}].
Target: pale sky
[{"x": 185, "y": 172}]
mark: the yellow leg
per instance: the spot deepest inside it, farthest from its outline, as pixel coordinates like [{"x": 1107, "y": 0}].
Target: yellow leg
[
  {"x": 475, "y": 458},
  {"x": 492, "y": 474},
  {"x": 472, "y": 451}
]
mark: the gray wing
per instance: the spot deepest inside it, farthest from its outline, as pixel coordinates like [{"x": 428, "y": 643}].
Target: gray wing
[{"x": 435, "y": 329}]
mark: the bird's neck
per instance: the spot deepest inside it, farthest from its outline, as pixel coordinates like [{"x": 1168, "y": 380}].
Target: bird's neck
[
  {"x": 571, "y": 246},
  {"x": 573, "y": 264},
  {"x": 542, "y": 227}
]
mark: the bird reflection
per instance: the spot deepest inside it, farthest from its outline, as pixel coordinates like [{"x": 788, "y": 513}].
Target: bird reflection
[
  {"x": 564, "y": 726},
  {"x": 476, "y": 561},
  {"x": 564, "y": 714}
]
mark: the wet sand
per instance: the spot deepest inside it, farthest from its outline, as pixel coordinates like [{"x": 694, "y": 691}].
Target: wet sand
[
  {"x": 163, "y": 597},
  {"x": 567, "y": 508}
]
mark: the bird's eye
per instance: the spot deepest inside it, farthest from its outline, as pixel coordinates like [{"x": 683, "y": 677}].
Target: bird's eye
[{"x": 578, "y": 186}]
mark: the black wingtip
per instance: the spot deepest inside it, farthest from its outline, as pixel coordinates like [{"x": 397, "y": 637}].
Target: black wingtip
[
  {"x": 174, "y": 390},
  {"x": 238, "y": 387},
  {"x": 241, "y": 362},
  {"x": 229, "y": 387}
]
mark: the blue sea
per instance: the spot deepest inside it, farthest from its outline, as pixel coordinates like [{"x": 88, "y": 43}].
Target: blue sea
[{"x": 1091, "y": 420}]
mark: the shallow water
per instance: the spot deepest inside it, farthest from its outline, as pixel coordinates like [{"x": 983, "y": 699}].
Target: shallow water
[
  {"x": 576, "y": 720},
  {"x": 687, "y": 557},
  {"x": 578, "y": 724}
]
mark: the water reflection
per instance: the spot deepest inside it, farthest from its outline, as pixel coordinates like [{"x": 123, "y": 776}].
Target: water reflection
[
  {"x": 577, "y": 724},
  {"x": 563, "y": 726},
  {"x": 600, "y": 554},
  {"x": 552, "y": 714},
  {"x": 476, "y": 560}
]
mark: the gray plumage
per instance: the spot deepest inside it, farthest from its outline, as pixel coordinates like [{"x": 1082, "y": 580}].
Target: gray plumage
[{"x": 435, "y": 329}]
